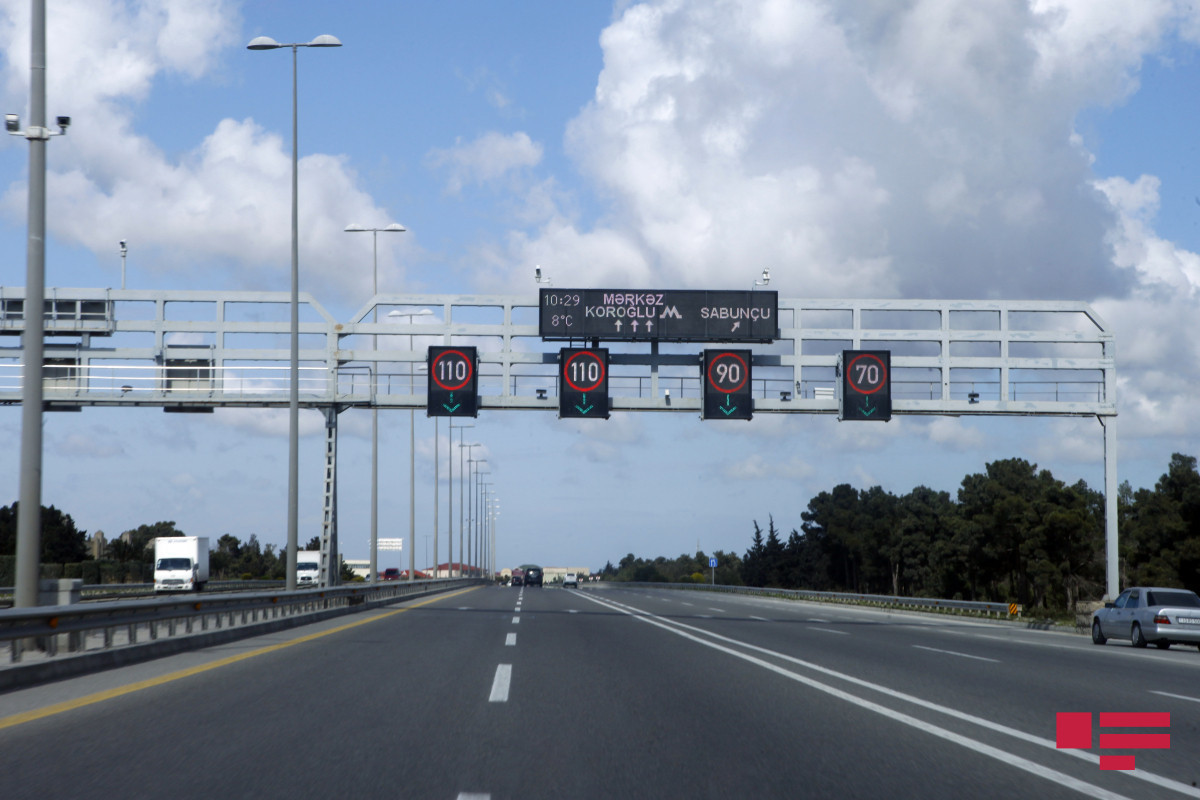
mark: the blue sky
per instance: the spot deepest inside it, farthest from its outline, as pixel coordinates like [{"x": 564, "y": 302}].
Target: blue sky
[{"x": 918, "y": 149}]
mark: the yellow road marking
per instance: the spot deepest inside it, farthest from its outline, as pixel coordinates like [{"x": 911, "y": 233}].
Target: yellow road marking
[{"x": 109, "y": 694}]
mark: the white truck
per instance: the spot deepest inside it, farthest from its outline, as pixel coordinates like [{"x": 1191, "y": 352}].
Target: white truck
[
  {"x": 308, "y": 568},
  {"x": 180, "y": 563}
]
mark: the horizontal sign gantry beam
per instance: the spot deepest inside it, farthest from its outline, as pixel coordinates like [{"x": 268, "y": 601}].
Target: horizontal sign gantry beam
[{"x": 185, "y": 351}]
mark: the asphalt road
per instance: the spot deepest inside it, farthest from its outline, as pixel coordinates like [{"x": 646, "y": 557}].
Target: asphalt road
[{"x": 610, "y": 692}]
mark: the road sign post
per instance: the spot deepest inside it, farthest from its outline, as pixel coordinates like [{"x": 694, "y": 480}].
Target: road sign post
[
  {"x": 727, "y": 379},
  {"x": 866, "y": 385},
  {"x": 453, "y": 385},
  {"x": 583, "y": 383}
]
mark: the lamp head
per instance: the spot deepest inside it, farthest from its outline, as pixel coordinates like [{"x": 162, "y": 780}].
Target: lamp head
[
  {"x": 63, "y": 123},
  {"x": 263, "y": 43},
  {"x": 12, "y": 123}
]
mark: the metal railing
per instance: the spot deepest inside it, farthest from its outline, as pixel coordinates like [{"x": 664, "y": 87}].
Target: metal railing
[
  {"x": 85, "y": 627},
  {"x": 890, "y": 601}
]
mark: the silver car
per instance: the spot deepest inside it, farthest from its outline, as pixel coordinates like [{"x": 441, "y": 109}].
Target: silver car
[{"x": 1145, "y": 614}]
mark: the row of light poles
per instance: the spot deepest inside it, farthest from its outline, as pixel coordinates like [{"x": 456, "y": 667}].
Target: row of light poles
[{"x": 479, "y": 521}]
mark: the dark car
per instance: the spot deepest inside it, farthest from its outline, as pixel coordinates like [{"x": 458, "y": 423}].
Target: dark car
[
  {"x": 517, "y": 578},
  {"x": 533, "y": 576}
]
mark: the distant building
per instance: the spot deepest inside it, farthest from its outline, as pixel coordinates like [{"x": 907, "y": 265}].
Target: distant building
[{"x": 97, "y": 544}]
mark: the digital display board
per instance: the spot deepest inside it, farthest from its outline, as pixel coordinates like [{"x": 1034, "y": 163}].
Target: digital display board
[
  {"x": 675, "y": 316},
  {"x": 727, "y": 380},
  {"x": 583, "y": 383},
  {"x": 866, "y": 385},
  {"x": 453, "y": 385}
]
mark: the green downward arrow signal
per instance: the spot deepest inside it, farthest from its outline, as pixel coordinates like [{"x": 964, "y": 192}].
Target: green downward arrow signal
[
  {"x": 581, "y": 409},
  {"x": 728, "y": 410},
  {"x": 867, "y": 408},
  {"x": 450, "y": 408}
]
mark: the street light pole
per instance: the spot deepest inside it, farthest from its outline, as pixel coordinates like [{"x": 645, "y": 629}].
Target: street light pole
[
  {"x": 462, "y": 495},
  {"x": 267, "y": 43},
  {"x": 450, "y": 497},
  {"x": 412, "y": 449},
  {"x": 395, "y": 227}
]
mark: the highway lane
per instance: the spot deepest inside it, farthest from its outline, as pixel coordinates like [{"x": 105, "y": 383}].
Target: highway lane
[{"x": 616, "y": 692}]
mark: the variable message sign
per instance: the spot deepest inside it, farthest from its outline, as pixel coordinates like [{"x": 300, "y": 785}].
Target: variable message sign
[
  {"x": 453, "y": 386},
  {"x": 673, "y": 316},
  {"x": 726, "y": 376},
  {"x": 866, "y": 385},
  {"x": 583, "y": 382}
]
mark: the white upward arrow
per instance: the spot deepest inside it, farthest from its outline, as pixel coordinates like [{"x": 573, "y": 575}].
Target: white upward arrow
[
  {"x": 618, "y": 324},
  {"x": 633, "y": 324}
]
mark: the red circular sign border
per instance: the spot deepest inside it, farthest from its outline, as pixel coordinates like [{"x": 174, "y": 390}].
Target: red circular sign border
[
  {"x": 882, "y": 366},
  {"x": 460, "y": 354},
  {"x": 717, "y": 358},
  {"x": 600, "y": 361}
]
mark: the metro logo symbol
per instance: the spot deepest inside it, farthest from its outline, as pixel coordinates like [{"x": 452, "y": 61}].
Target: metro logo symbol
[{"x": 1073, "y": 731}]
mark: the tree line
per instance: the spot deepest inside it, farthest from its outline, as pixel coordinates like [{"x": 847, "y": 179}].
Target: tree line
[
  {"x": 129, "y": 558},
  {"x": 1012, "y": 533}
]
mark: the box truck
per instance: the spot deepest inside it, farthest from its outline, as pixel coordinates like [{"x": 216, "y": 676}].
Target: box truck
[
  {"x": 180, "y": 563},
  {"x": 308, "y": 568}
]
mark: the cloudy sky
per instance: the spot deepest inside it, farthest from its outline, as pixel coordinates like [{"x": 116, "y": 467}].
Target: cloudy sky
[{"x": 974, "y": 149}]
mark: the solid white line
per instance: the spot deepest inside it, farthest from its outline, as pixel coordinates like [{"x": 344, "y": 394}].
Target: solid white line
[
  {"x": 510, "y": 640},
  {"x": 827, "y": 630},
  {"x": 952, "y": 653},
  {"x": 1177, "y": 696},
  {"x": 516, "y": 620},
  {"x": 501, "y": 683},
  {"x": 679, "y": 629}
]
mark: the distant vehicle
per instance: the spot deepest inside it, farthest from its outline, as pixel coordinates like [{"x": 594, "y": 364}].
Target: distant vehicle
[
  {"x": 308, "y": 568},
  {"x": 180, "y": 563},
  {"x": 1145, "y": 614},
  {"x": 518, "y": 577},
  {"x": 390, "y": 574},
  {"x": 533, "y": 576},
  {"x": 571, "y": 579}
]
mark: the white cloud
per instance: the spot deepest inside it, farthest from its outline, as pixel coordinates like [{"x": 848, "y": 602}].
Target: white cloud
[{"x": 486, "y": 159}]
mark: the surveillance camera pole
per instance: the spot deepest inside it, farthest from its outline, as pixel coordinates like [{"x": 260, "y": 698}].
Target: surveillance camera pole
[{"x": 29, "y": 511}]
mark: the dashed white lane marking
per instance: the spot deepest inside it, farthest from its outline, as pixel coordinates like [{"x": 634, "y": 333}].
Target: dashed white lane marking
[
  {"x": 501, "y": 683},
  {"x": 516, "y": 620},
  {"x": 952, "y": 653},
  {"x": 721, "y": 610},
  {"x": 760, "y": 619},
  {"x": 474, "y": 796},
  {"x": 572, "y": 611},
  {"x": 814, "y": 619},
  {"x": 1176, "y": 696},
  {"x": 688, "y": 604},
  {"x": 827, "y": 630},
  {"x": 510, "y": 640}
]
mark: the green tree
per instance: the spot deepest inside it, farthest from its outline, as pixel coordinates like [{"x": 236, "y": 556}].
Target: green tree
[{"x": 61, "y": 541}]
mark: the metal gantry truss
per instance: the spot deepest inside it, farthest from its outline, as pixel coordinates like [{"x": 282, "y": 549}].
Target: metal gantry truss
[{"x": 199, "y": 350}]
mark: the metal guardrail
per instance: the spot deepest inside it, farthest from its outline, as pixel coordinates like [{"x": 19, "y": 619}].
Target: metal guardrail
[
  {"x": 979, "y": 607},
  {"x": 83, "y": 627},
  {"x": 93, "y": 591}
]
